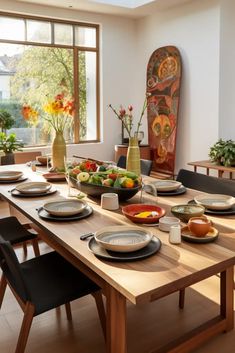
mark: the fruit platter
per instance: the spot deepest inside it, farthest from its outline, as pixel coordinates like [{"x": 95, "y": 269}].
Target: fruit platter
[{"x": 94, "y": 179}]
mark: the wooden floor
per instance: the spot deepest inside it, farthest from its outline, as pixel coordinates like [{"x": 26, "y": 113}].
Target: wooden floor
[{"x": 148, "y": 326}]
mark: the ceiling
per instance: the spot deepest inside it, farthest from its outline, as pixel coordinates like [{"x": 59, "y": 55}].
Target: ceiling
[{"x": 129, "y": 8}]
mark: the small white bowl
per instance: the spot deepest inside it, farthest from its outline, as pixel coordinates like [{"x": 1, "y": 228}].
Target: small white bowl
[{"x": 165, "y": 223}]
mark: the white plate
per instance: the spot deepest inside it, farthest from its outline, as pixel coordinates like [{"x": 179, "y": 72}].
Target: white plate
[
  {"x": 123, "y": 238},
  {"x": 215, "y": 201},
  {"x": 65, "y": 207},
  {"x": 10, "y": 175},
  {"x": 166, "y": 185},
  {"x": 33, "y": 187}
]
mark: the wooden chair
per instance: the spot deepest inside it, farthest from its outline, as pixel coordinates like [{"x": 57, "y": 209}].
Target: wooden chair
[
  {"x": 15, "y": 233},
  {"x": 20, "y": 158},
  {"x": 207, "y": 184},
  {"x": 145, "y": 165},
  {"x": 43, "y": 283}
]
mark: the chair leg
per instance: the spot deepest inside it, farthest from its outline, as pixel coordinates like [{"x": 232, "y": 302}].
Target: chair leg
[
  {"x": 3, "y": 285},
  {"x": 181, "y": 298},
  {"x": 36, "y": 247},
  {"x": 101, "y": 311},
  {"x": 25, "y": 327},
  {"x": 25, "y": 250},
  {"x": 68, "y": 311}
]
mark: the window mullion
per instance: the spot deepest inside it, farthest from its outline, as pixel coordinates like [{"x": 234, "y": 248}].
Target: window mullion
[{"x": 76, "y": 95}]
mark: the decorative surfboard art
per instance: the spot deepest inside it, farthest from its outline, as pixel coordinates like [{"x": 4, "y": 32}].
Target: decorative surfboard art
[{"x": 163, "y": 89}]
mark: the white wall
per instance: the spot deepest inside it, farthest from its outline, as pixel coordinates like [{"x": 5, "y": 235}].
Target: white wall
[
  {"x": 194, "y": 29},
  {"x": 116, "y": 68},
  {"x": 126, "y": 46},
  {"x": 227, "y": 72}
]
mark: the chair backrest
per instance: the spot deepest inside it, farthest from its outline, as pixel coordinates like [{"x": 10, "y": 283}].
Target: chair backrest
[
  {"x": 11, "y": 269},
  {"x": 121, "y": 163},
  {"x": 206, "y": 183},
  {"x": 24, "y": 157},
  {"x": 145, "y": 165}
]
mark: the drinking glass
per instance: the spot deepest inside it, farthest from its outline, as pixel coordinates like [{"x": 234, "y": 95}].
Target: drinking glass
[{"x": 69, "y": 164}]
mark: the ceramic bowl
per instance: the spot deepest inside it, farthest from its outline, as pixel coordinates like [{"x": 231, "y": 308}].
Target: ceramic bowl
[
  {"x": 123, "y": 238},
  {"x": 10, "y": 175},
  {"x": 140, "y": 213},
  {"x": 37, "y": 187},
  {"x": 42, "y": 159},
  {"x": 215, "y": 201},
  {"x": 166, "y": 185},
  {"x": 165, "y": 223},
  {"x": 199, "y": 226},
  {"x": 97, "y": 190},
  {"x": 185, "y": 212},
  {"x": 65, "y": 207}
]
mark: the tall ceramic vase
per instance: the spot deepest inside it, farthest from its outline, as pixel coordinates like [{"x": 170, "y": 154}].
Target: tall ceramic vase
[
  {"x": 58, "y": 151},
  {"x": 133, "y": 156}
]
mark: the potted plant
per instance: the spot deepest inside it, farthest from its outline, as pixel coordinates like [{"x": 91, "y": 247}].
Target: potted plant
[
  {"x": 9, "y": 144},
  {"x": 6, "y": 120},
  {"x": 223, "y": 152}
]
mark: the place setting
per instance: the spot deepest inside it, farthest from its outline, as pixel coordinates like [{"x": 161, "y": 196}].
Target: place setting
[
  {"x": 165, "y": 188},
  {"x": 65, "y": 210},
  {"x": 199, "y": 230},
  {"x": 10, "y": 176},
  {"x": 122, "y": 243},
  {"x": 33, "y": 189},
  {"x": 215, "y": 204}
]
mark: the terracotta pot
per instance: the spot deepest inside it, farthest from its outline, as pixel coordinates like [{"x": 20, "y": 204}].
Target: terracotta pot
[
  {"x": 133, "y": 156},
  {"x": 199, "y": 226},
  {"x": 58, "y": 151}
]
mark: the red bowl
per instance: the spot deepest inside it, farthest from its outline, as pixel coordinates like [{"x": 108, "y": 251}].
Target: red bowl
[{"x": 130, "y": 211}]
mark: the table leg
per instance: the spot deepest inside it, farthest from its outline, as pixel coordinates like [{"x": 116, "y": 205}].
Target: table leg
[
  {"x": 115, "y": 322},
  {"x": 226, "y": 297}
]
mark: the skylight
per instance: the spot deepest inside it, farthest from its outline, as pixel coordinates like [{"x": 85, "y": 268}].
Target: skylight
[{"x": 131, "y": 4}]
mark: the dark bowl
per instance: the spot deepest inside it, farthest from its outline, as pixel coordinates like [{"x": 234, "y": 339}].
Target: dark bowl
[
  {"x": 95, "y": 190},
  {"x": 185, "y": 212}
]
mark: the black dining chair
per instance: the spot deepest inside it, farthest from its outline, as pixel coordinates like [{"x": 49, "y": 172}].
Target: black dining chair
[
  {"x": 13, "y": 231},
  {"x": 145, "y": 165},
  {"x": 206, "y": 183},
  {"x": 43, "y": 283}
]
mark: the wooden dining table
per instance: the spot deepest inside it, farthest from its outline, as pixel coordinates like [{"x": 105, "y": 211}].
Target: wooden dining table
[{"x": 172, "y": 268}]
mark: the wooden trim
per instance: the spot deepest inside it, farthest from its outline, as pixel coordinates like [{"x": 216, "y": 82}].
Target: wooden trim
[{"x": 47, "y": 18}]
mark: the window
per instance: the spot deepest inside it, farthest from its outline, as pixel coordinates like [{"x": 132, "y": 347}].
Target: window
[{"x": 40, "y": 59}]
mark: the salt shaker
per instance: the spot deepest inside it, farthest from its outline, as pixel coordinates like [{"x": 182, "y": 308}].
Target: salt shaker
[{"x": 175, "y": 234}]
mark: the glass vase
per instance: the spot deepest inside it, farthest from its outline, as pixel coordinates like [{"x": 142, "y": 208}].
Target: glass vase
[
  {"x": 58, "y": 151},
  {"x": 133, "y": 156}
]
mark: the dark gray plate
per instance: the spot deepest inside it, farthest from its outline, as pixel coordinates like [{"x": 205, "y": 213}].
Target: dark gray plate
[
  {"x": 22, "y": 178},
  {"x": 230, "y": 211},
  {"x": 15, "y": 192},
  {"x": 150, "y": 249},
  {"x": 45, "y": 215},
  {"x": 181, "y": 190}
]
